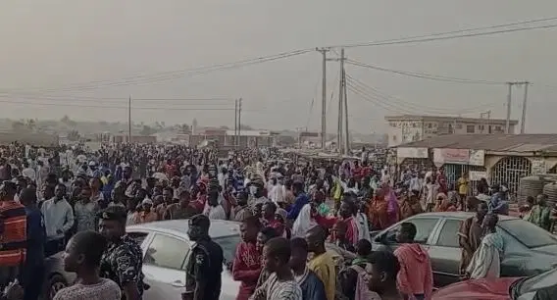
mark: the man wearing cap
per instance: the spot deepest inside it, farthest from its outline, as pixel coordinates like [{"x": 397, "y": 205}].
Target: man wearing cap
[
  {"x": 122, "y": 261},
  {"x": 204, "y": 262}
]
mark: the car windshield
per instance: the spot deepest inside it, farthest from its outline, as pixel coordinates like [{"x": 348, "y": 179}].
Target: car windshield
[
  {"x": 534, "y": 283},
  {"x": 529, "y": 234},
  {"x": 228, "y": 245}
]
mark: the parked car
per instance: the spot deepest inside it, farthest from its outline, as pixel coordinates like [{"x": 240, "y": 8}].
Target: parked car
[
  {"x": 529, "y": 250},
  {"x": 164, "y": 246},
  {"x": 499, "y": 289}
]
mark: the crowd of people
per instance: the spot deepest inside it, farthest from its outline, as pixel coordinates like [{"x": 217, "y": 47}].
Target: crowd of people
[{"x": 305, "y": 228}]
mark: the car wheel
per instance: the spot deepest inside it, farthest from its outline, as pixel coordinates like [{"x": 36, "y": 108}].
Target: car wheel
[{"x": 55, "y": 284}]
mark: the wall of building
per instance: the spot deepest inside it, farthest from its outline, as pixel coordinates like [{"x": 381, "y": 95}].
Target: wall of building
[{"x": 403, "y": 131}]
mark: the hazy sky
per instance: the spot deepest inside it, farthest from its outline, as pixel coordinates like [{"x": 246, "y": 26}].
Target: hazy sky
[{"x": 59, "y": 43}]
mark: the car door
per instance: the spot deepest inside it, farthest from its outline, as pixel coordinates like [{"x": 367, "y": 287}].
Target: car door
[
  {"x": 445, "y": 253},
  {"x": 425, "y": 226},
  {"x": 164, "y": 266}
]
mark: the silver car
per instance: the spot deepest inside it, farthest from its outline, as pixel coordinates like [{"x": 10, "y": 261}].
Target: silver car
[
  {"x": 164, "y": 246},
  {"x": 529, "y": 250}
]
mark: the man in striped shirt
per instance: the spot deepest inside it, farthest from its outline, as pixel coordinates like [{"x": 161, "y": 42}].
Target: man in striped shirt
[
  {"x": 415, "y": 277},
  {"x": 13, "y": 233}
]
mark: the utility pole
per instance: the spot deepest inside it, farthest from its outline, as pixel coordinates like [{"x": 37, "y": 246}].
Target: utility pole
[
  {"x": 486, "y": 123},
  {"x": 509, "y": 102},
  {"x": 340, "y": 132},
  {"x": 345, "y": 99},
  {"x": 130, "y": 119},
  {"x": 524, "y": 102},
  {"x": 324, "y": 97},
  {"x": 239, "y": 121},
  {"x": 235, "y": 123}
]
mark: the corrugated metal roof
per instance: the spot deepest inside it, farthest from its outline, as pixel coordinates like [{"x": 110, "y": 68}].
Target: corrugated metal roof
[{"x": 491, "y": 142}]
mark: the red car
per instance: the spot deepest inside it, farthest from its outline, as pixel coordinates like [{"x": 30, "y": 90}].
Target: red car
[{"x": 499, "y": 289}]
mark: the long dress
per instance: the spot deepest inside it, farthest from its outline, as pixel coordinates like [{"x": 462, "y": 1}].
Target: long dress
[{"x": 486, "y": 262}]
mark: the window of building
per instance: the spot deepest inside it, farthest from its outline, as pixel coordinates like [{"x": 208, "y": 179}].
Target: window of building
[
  {"x": 429, "y": 125},
  {"x": 498, "y": 128},
  {"x": 481, "y": 127},
  {"x": 470, "y": 129},
  {"x": 394, "y": 138}
]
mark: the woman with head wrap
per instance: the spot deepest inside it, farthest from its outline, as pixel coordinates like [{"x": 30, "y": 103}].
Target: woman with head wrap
[{"x": 443, "y": 204}]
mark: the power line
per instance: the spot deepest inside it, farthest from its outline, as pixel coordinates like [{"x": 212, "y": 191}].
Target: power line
[
  {"x": 426, "y": 75},
  {"x": 116, "y": 99},
  {"x": 42, "y": 103},
  {"x": 447, "y": 35},
  {"x": 165, "y": 76},
  {"x": 401, "y": 105},
  {"x": 170, "y": 75}
]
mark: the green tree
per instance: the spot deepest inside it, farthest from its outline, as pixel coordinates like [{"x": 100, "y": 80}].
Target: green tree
[{"x": 147, "y": 130}]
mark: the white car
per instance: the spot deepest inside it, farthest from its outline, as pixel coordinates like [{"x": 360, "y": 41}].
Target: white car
[{"x": 167, "y": 243}]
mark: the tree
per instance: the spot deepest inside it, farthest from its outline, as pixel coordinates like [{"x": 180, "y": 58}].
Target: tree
[
  {"x": 147, "y": 130},
  {"x": 18, "y": 125},
  {"x": 74, "y": 135},
  {"x": 67, "y": 121},
  {"x": 31, "y": 125},
  {"x": 184, "y": 128}
]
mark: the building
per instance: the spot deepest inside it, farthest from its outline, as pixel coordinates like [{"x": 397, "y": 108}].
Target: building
[
  {"x": 411, "y": 128},
  {"x": 499, "y": 158},
  {"x": 124, "y": 138},
  {"x": 245, "y": 138}
]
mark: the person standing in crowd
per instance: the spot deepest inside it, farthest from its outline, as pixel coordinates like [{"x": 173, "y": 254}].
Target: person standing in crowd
[
  {"x": 540, "y": 214},
  {"x": 13, "y": 234},
  {"x": 281, "y": 284},
  {"x": 83, "y": 257},
  {"x": 242, "y": 211},
  {"x": 247, "y": 261},
  {"x": 36, "y": 239},
  {"x": 486, "y": 262},
  {"x": 180, "y": 210},
  {"x": 311, "y": 285},
  {"x": 203, "y": 263},
  {"x": 347, "y": 211},
  {"x": 470, "y": 236},
  {"x": 58, "y": 218},
  {"x": 28, "y": 172},
  {"x": 214, "y": 209},
  {"x": 322, "y": 262},
  {"x": 263, "y": 236},
  {"x": 146, "y": 214},
  {"x": 415, "y": 278},
  {"x": 497, "y": 203},
  {"x": 86, "y": 211},
  {"x": 301, "y": 200},
  {"x": 122, "y": 261},
  {"x": 268, "y": 217},
  {"x": 431, "y": 191},
  {"x": 382, "y": 278},
  {"x": 462, "y": 185}
]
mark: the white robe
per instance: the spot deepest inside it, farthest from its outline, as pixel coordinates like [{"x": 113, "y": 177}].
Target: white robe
[{"x": 486, "y": 262}]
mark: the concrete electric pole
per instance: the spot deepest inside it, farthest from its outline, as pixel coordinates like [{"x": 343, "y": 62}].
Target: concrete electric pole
[
  {"x": 236, "y": 123},
  {"x": 324, "y": 97},
  {"x": 509, "y": 104},
  {"x": 130, "y": 119},
  {"x": 524, "y": 105},
  {"x": 345, "y": 100}
]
